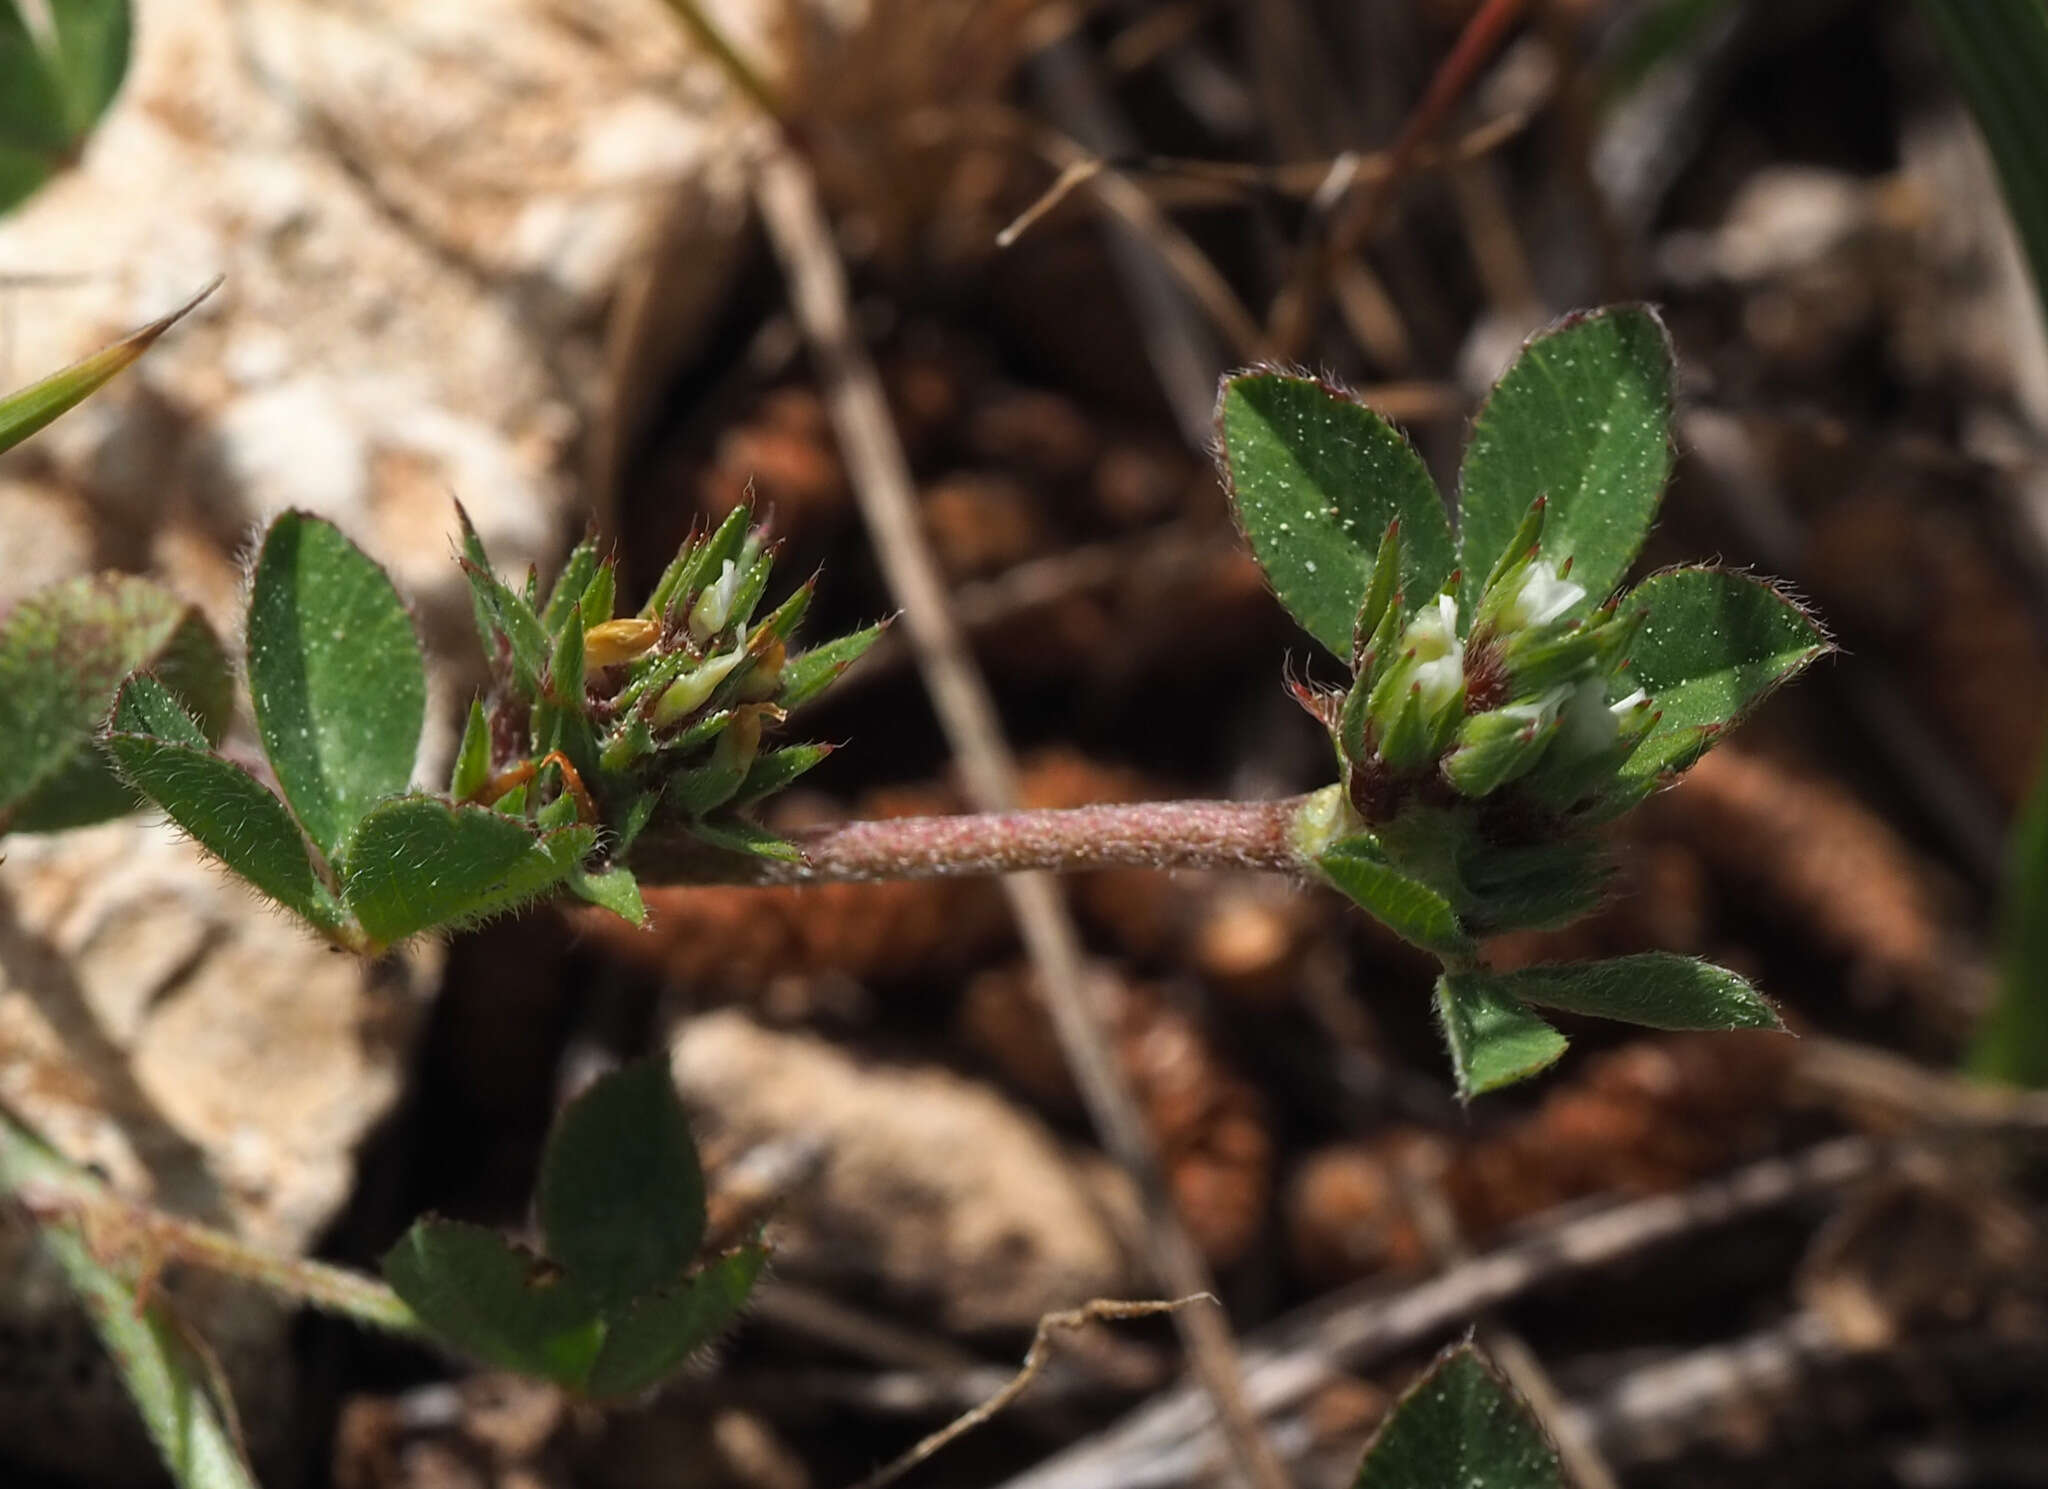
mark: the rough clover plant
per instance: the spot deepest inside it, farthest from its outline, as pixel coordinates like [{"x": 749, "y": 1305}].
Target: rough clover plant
[{"x": 1506, "y": 699}]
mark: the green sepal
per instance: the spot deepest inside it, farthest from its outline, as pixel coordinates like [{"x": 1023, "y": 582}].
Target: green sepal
[
  {"x": 753, "y": 585},
  {"x": 775, "y": 770},
  {"x": 472, "y": 770},
  {"x": 634, "y": 819},
  {"x": 688, "y": 570},
  {"x": 577, "y": 571},
  {"x": 1495, "y": 748},
  {"x": 809, "y": 673},
  {"x": 1521, "y": 549},
  {"x": 621, "y": 1196},
  {"x": 1382, "y": 596},
  {"x": 627, "y": 745},
  {"x": 1406, "y": 738},
  {"x": 717, "y": 782},
  {"x": 1406, "y": 906},
  {"x": 738, "y": 835},
  {"x": 600, "y": 599},
  {"x": 657, "y": 1335},
  {"x": 565, "y": 665},
  {"x": 780, "y": 624},
  {"x": 484, "y": 1297},
  {"x": 1539, "y": 660},
  {"x": 700, "y": 733},
  {"x": 1494, "y": 1041},
  {"x": 560, "y": 810},
  {"x": 515, "y": 644}
]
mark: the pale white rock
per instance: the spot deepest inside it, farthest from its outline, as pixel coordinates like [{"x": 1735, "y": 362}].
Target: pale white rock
[{"x": 931, "y": 1186}]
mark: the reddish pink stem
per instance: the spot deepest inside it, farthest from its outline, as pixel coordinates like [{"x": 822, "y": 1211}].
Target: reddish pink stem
[{"x": 1150, "y": 835}]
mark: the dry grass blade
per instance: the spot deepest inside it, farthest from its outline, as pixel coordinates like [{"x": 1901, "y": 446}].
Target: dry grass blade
[
  {"x": 1099, "y": 1310},
  {"x": 797, "y": 227}
]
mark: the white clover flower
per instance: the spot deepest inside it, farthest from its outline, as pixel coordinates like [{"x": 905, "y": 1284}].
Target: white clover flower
[
  {"x": 714, "y": 606},
  {"x": 1540, "y": 598},
  {"x": 1439, "y": 655},
  {"x": 1588, "y": 726}
]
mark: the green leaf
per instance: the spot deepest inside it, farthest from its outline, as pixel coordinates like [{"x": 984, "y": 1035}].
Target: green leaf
[
  {"x": 63, "y": 652},
  {"x": 1315, "y": 478},
  {"x": 91, "y": 57},
  {"x": 1655, "y": 989},
  {"x": 1538, "y": 886},
  {"x": 227, "y": 811},
  {"x": 621, "y": 1195},
  {"x": 335, "y": 674},
  {"x": 807, "y": 674},
  {"x": 1494, "y": 1040},
  {"x": 483, "y": 1296},
  {"x": 1407, "y": 907},
  {"x": 646, "y": 1344},
  {"x": 1583, "y": 418},
  {"x": 415, "y": 863},
  {"x": 1997, "y": 51},
  {"x": 51, "y": 95},
  {"x": 145, "y": 706},
  {"x": 1714, "y": 644},
  {"x": 146, "y": 1344},
  {"x": 1460, "y": 1427}
]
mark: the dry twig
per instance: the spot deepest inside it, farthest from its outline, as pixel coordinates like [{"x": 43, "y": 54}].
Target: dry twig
[{"x": 1099, "y": 1310}]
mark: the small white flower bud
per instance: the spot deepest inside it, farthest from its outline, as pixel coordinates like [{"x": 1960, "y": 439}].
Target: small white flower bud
[{"x": 1540, "y": 598}]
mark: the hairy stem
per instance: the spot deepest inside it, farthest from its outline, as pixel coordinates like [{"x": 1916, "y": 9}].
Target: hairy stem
[{"x": 1146, "y": 835}]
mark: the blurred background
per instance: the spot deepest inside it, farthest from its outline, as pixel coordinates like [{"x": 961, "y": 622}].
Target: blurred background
[{"x": 509, "y": 251}]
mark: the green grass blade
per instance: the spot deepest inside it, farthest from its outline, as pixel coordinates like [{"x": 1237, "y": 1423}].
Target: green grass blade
[
  {"x": 1997, "y": 51},
  {"x": 34, "y": 407},
  {"x": 167, "y": 1385},
  {"x": 2011, "y": 1044}
]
